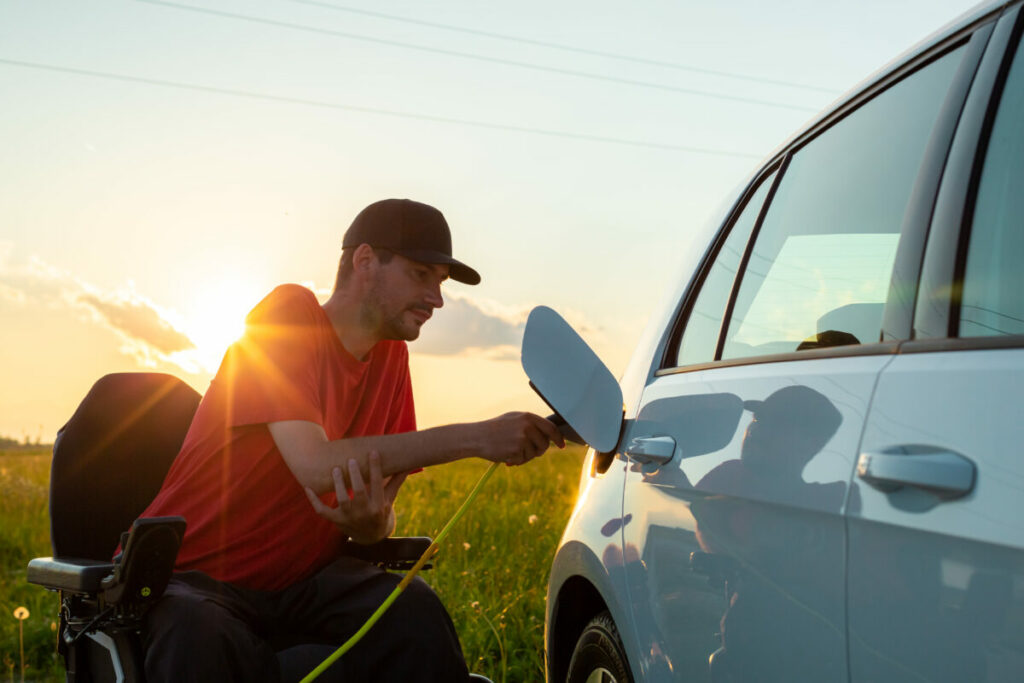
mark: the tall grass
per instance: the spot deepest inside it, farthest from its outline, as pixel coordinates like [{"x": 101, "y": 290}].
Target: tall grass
[
  {"x": 24, "y": 534},
  {"x": 491, "y": 573}
]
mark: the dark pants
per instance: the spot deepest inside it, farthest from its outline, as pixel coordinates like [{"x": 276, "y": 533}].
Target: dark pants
[{"x": 202, "y": 630}]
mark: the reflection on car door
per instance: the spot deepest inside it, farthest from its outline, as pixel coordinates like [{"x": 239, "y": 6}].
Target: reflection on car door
[
  {"x": 733, "y": 531},
  {"x": 936, "y": 559},
  {"x": 734, "y": 552}
]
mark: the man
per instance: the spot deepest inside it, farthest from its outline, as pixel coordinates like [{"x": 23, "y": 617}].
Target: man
[{"x": 301, "y": 442}]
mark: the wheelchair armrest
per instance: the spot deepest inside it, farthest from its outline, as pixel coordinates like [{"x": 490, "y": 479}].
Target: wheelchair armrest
[
  {"x": 398, "y": 552},
  {"x": 144, "y": 567},
  {"x": 68, "y": 574}
]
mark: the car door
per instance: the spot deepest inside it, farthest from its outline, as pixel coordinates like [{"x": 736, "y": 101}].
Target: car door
[
  {"x": 743, "y": 445},
  {"x": 936, "y": 539}
]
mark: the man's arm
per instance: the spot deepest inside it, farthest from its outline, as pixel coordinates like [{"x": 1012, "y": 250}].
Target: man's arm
[
  {"x": 366, "y": 514},
  {"x": 512, "y": 438}
]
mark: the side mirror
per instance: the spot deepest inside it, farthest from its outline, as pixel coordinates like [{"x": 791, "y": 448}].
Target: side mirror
[{"x": 572, "y": 380}]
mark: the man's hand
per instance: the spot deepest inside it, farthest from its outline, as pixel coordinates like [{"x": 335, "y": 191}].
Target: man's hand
[
  {"x": 368, "y": 515},
  {"x": 517, "y": 438}
]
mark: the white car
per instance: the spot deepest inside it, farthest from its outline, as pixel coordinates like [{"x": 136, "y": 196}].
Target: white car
[{"x": 819, "y": 474}]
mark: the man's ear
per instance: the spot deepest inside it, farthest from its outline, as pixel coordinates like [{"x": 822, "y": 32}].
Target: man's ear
[{"x": 364, "y": 260}]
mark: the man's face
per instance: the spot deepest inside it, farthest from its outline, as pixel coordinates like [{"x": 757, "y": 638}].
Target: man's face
[{"x": 402, "y": 297}]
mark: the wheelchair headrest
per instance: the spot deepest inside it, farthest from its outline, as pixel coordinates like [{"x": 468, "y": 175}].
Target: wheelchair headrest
[{"x": 111, "y": 457}]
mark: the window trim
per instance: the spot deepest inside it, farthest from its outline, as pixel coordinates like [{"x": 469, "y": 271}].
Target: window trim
[
  {"x": 689, "y": 299},
  {"x": 976, "y": 32},
  {"x": 939, "y": 344},
  {"x": 877, "y": 349},
  {"x": 1010, "y": 54},
  {"x": 886, "y": 81},
  {"x": 888, "y": 348},
  {"x": 737, "y": 282},
  {"x": 898, "y": 315},
  {"x": 946, "y": 244}
]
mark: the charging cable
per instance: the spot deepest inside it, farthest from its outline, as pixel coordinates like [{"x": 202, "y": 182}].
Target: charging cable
[{"x": 406, "y": 580}]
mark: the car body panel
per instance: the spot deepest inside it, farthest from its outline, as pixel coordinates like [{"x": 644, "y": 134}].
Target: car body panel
[
  {"x": 591, "y": 542},
  {"x": 955, "y": 566},
  {"x": 589, "y": 548},
  {"x": 736, "y": 547}
]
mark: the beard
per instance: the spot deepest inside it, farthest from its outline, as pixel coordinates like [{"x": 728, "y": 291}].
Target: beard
[{"x": 374, "y": 314}]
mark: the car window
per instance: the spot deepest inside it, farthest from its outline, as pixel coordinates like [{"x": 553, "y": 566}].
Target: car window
[
  {"x": 704, "y": 324},
  {"x": 993, "y": 293},
  {"x": 820, "y": 269}
]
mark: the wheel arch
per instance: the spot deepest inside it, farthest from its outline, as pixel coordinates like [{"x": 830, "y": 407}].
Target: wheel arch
[{"x": 578, "y": 602}]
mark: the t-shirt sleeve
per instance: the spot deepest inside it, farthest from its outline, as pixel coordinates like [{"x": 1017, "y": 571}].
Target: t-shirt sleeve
[{"x": 271, "y": 373}]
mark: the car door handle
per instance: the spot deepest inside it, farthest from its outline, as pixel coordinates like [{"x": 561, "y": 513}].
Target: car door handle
[
  {"x": 651, "y": 449},
  {"x": 944, "y": 473}
]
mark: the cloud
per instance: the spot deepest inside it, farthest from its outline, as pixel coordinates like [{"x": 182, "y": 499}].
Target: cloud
[
  {"x": 322, "y": 293},
  {"x": 138, "y": 320},
  {"x": 30, "y": 282},
  {"x": 145, "y": 329},
  {"x": 463, "y": 326},
  {"x": 466, "y": 324},
  {"x": 469, "y": 325},
  {"x": 15, "y": 296}
]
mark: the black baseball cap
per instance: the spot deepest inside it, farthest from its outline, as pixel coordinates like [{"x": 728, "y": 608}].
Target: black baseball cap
[{"x": 416, "y": 231}]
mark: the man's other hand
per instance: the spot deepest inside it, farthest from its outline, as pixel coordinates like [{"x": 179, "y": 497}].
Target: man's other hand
[
  {"x": 517, "y": 438},
  {"x": 365, "y": 514}
]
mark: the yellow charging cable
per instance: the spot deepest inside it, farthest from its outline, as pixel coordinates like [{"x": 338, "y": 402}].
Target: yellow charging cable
[{"x": 406, "y": 580}]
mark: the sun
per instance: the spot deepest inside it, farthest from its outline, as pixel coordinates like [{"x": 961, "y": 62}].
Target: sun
[{"x": 217, "y": 317}]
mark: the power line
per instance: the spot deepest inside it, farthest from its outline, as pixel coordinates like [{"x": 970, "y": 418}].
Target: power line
[
  {"x": 477, "y": 57},
  {"x": 562, "y": 46},
  {"x": 267, "y": 97}
]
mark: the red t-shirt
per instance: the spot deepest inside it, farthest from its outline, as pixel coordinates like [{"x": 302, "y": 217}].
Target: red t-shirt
[{"x": 249, "y": 521}]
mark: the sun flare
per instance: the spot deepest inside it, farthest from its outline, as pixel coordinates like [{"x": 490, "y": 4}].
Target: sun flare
[{"x": 217, "y": 318}]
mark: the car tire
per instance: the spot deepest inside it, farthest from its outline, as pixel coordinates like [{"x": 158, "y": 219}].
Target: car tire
[{"x": 599, "y": 656}]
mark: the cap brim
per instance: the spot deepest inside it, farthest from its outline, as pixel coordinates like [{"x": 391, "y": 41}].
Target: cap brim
[
  {"x": 752, "y": 405},
  {"x": 457, "y": 270}
]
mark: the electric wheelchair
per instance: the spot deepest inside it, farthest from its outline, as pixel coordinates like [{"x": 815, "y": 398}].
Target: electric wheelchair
[{"x": 109, "y": 461}]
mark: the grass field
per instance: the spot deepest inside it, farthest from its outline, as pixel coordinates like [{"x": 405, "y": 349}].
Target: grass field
[
  {"x": 491, "y": 573},
  {"x": 25, "y": 533}
]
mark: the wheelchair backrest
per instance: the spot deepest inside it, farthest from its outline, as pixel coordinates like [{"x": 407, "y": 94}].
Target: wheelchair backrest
[{"x": 111, "y": 457}]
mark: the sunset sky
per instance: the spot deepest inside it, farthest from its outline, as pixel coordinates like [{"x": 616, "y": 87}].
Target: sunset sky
[{"x": 165, "y": 164}]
